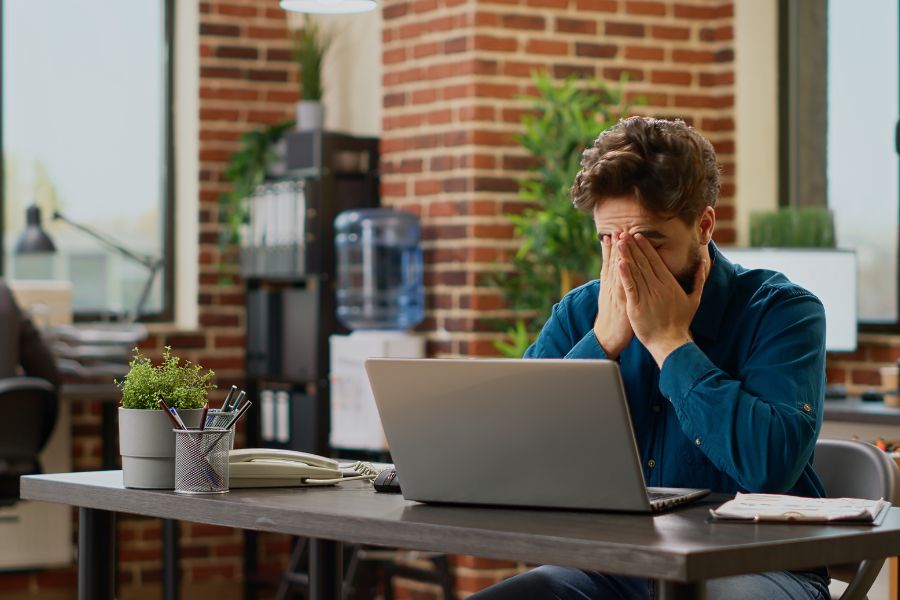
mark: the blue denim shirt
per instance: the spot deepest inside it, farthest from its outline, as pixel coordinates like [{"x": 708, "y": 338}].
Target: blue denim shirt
[{"x": 737, "y": 409}]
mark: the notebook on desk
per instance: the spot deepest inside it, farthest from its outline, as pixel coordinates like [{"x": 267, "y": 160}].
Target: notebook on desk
[{"x": 536, "y": 433}]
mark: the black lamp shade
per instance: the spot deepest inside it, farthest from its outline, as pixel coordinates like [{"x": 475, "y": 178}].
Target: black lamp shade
[{"x": 34, "y": 240}]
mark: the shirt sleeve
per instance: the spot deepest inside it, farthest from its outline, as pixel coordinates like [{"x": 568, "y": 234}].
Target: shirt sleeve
[
  {"x": 561, "y": 336},
  {"x": 759, "y": 425}
]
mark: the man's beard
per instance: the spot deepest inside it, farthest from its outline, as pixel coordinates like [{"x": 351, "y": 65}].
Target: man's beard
[{"x": 687, "y": 277}]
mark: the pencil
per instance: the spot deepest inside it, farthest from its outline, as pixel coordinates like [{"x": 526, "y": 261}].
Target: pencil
[{"x": 170, "y": 414}]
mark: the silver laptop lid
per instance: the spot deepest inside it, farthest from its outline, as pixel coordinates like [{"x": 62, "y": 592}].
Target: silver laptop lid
[{"x": 544, "y": 433}]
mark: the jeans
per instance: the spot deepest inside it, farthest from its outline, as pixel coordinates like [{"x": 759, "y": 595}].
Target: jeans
[{"x": 558, "y": 583}]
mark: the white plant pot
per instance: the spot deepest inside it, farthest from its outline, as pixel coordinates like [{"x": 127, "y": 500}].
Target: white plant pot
[
  {"x": 147, "y": 446},
  {"x": 310, "y": 115}
]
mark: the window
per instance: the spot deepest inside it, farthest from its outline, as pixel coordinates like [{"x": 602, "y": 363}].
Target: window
[
  {"x": 86, "y": 131},
  {"x": 862, "y": 164},
  {"x": 840, "y": 108}
]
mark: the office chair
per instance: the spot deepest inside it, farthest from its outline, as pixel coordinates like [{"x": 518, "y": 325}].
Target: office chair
[
  {"x": 854, "y": 469},
  {"x": 28, "y": 409}
]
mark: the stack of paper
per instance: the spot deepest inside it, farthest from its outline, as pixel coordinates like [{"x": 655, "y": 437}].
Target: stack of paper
[{"x": 777, "y": 507}]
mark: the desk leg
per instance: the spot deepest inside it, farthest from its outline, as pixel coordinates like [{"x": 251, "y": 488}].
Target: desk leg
[
  {"x": 170, "y": 559},
  {"x": 326, "y": 569},
  {"x": 893, "y": 567},
  {"x": 96, "y": 552},
  {"x": 670, "y": 590}
]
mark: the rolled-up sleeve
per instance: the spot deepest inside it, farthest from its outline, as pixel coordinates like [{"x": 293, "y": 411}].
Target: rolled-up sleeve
[{"x": 758, "y": 425}]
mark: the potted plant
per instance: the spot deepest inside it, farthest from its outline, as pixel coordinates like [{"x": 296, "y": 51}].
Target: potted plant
[
  {"x": 557, "y": 245},
  {"x": 310, "y": 46},
  {"x": 248, "y": 167},
  {"x": 146, "y": 441}
]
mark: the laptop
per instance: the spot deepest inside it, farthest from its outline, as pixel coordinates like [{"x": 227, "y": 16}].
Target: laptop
[{"x": 529, "y": 433}]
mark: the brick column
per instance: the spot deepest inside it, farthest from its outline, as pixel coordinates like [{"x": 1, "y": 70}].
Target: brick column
[{"x": 454, "y": 71}]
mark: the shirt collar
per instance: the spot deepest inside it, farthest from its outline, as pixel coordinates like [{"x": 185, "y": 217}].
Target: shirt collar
[{"x": 715, "y": 295}]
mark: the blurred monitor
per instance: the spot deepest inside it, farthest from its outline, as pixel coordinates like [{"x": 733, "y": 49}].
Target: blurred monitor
[
  {"x": 49, "y": 302},
  {"x": 829, "y": 273}
]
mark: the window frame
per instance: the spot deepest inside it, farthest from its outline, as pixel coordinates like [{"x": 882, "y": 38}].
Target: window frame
[
  {"x": 790, "y": 12},
  {"x": 167, "y": 312}
]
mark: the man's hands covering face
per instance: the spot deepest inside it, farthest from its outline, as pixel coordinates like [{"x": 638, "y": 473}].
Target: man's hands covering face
[
  {"x": 659, "y": 310},
  {"x": 612, "y": 328}
]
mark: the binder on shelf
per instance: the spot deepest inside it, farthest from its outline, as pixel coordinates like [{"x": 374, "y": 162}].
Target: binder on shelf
[{"x": 275, "y": 246}]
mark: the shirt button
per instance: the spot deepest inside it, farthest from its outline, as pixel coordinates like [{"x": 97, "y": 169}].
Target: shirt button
[
  {"x": 807, "y": 407},
  {"x": 656, "y": 408},
  {"x": 697, "y": 441},
  {"x": 651, "y": 463}
]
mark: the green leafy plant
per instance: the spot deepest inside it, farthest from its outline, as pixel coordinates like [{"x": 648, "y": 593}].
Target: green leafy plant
[
  {"x": 310, "y": 46},
  {"x": 181, "y": 384},
  {"x": 558, "y": 246},
  {"x": 807, "y": 227},
  {"x": 246, "y": 170}
]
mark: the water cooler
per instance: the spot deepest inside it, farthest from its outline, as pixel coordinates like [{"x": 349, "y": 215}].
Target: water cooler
[{"x": 380, "y": 298}]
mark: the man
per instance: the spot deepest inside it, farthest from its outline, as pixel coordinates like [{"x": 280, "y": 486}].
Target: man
[
  {"x": 22, "y": 350},
  {"x": 724, "y": 367}
]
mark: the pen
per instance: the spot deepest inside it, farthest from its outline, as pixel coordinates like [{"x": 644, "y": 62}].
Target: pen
[
  {"x": 238, "y": 400},
  {"x": 203, "y": 416},
  {"x": 170, "y": 412},
  {"x": 230, "y": 424},
  {"x": 228, "y": 398},
  {"x": 238, "y": 414}
]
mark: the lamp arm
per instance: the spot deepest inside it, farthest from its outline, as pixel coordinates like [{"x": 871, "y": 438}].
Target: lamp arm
[
  {"x": 154, "y": 268},
  {"x": 149, "y": 262}
]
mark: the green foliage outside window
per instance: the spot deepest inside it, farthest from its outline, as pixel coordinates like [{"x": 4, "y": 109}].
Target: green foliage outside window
[{"x": 558, "y": 244}]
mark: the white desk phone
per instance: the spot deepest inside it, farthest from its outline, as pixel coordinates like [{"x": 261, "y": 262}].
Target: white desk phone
[{"x": 274, "y": 467}]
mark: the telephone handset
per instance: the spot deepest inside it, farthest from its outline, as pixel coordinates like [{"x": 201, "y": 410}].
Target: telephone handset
[{"x": 275, "y": 467}]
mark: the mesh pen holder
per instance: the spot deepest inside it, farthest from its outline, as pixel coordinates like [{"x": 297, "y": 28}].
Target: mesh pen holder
[
  {"x": 218, "y": 419},
  {"x": 201, "y": 460}
]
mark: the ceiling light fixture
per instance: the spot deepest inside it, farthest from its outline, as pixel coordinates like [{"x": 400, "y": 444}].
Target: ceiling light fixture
[{"x": 328, "y": 7}]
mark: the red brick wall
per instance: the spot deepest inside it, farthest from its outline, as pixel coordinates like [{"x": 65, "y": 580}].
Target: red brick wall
[
  {"x": 453, "y": 71},
  {"x": 858, "y": 371},
  {"x": 453, "y": 74}
]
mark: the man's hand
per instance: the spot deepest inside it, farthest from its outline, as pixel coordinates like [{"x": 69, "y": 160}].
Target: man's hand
[
  {"x": 611, "y": 327},
  {"x": 658, "y": 308}
]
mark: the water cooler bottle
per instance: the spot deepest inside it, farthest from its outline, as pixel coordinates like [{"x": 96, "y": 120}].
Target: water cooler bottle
[{"x": 380, "y": 297}]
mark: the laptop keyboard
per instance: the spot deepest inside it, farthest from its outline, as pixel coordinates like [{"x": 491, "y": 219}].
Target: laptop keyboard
[
  {"x": 657, "y": 496},
  {"x": 661, "y": 499}
]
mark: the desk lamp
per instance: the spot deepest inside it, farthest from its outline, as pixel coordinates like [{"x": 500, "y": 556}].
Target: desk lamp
[{"x": 34, "y": 240}]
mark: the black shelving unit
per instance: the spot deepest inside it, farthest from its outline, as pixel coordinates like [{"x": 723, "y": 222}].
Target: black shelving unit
[{"x": 290, "y": 316}]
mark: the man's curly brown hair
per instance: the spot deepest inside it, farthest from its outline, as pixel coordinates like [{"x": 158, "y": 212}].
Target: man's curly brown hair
[{"x": 666, "y": 165}]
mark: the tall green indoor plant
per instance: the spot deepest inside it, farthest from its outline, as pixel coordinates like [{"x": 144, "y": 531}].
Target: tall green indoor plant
[
  {"x": 558, "y": 244},
  {"x": 310, "y": 45}
]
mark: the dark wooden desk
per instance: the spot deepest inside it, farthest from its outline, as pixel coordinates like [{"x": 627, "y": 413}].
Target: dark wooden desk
[
  {"x": 108, "y": 395},
  {"x": 854, "y": 410},
  {"x": 681, "y": 548}
]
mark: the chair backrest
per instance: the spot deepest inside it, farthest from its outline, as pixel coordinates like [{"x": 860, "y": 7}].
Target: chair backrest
[{"x": 855, "y": 469}]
